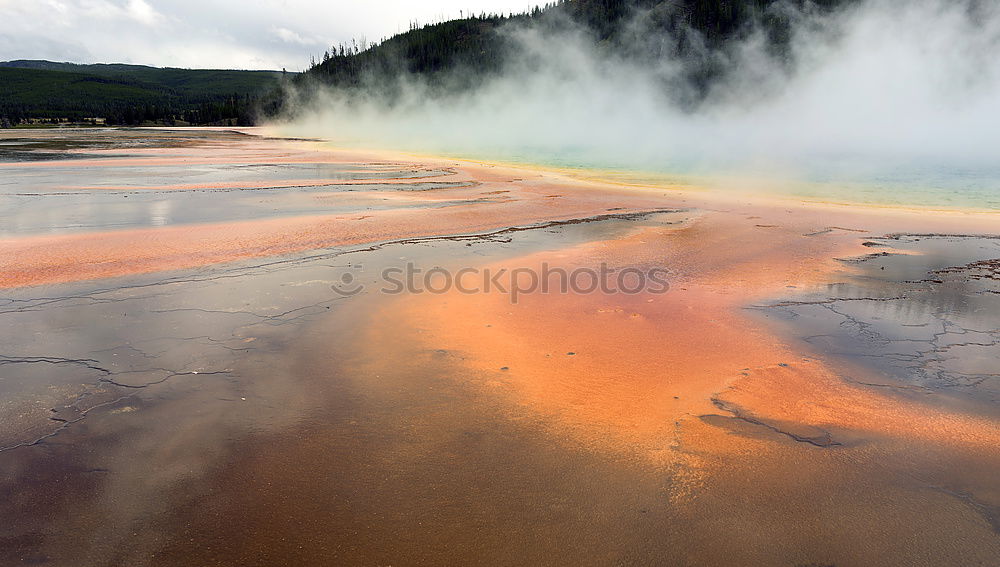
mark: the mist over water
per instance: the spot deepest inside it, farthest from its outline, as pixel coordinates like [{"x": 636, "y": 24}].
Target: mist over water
[{"x": 883, "y": 102}]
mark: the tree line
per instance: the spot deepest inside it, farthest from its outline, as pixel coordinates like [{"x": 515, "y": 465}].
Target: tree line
[{"x": 34, "y": 91}]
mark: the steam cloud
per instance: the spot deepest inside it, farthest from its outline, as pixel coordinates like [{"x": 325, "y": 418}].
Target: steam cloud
[{"x": 885, "y": 80}]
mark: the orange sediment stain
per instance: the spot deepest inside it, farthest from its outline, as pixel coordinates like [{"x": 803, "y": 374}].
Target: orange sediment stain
[
  {"x": 625, "y": 373},
  {"x": 687, "y": 386},
  {"x": 494, "y": 198},
  {"x": 621, "y": 370},
  {"x": 641, "y": 363},
  {"x": 275, "y": 184},
  {"x": 61, "y": 258}
]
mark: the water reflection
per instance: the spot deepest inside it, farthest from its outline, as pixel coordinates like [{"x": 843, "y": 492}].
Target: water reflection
[
  {"x": 159, "y": 213},
  {"x": 921, "y": 310},
  {"x": 63, "y": 197}
]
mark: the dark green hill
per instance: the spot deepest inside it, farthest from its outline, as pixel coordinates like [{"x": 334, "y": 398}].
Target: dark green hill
[
  {"x": 129, "y": 94},
  {"x": 191, "y": 83}
]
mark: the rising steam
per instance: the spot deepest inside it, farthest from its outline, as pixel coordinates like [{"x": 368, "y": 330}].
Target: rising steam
[{"x": 881, "y": 81}]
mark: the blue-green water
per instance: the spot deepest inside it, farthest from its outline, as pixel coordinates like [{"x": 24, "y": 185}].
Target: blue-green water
[{"x": 926, "y": 182}]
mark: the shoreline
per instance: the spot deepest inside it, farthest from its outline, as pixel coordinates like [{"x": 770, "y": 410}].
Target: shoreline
[{"x": 699, "y": 185}]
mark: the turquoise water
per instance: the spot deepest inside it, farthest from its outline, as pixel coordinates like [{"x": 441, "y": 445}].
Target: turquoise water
[
  {"x": 895, "y": 182},
  {"x": 928, "y": 181}
]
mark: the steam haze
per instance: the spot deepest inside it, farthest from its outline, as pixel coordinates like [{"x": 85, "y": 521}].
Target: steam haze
[{"x": 883, "y": 81}]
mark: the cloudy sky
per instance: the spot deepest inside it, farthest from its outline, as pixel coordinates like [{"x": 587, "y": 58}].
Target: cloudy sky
[{"x": 262, "y": 34}]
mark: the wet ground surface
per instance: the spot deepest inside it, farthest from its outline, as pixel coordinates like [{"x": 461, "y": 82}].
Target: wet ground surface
[
  {"x": 42, "y": 212},
  {"x": 69, "y": 198},
  {"x": 283, "y": 409},
  {"x": 924, "y": 310},
  {"x": 917, "y": 319},
  {"x": 127, "y": 402},
  {"x": 71, "y": 348},
  {"x": 73, "y": 143}
]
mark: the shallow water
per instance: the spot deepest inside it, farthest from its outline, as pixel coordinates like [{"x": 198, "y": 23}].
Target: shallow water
[
  {"x": 69, "y": 197},
  {"x": 132, "y": 403},
  {"x": 923, "y": 309},
  {"x": 63, "y": 211},
  {"x": 128, "y": 404},
  {"x": 260, "y": 412},
  {"x": 856, "y": 179}
]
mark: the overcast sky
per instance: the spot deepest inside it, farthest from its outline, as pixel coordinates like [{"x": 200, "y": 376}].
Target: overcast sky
[{"x": 236, "y": 34}]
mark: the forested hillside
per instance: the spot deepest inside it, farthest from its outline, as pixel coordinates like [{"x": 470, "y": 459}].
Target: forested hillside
[
  {"x": 688, "y": 30},
  {"x": 129, "y": 94}
]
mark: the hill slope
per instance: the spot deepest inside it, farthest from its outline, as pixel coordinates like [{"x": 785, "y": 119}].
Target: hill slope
[
  {"x": 129, "y": 94},
  {"x": 689, "y": 30}
]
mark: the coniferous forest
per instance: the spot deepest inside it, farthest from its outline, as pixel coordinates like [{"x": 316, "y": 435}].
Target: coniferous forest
[{"x": 46, "y": 92}]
